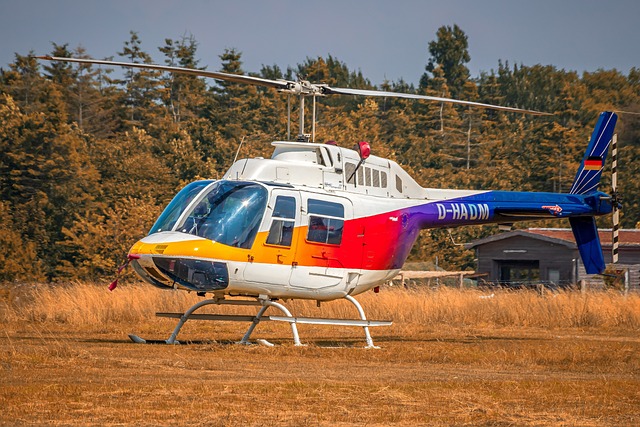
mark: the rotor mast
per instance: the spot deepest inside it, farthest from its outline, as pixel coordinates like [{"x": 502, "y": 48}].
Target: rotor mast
[{"x": 302, "y": 88}]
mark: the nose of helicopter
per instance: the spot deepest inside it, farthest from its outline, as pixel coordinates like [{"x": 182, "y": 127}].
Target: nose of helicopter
[{"x": 170, "y": 261}]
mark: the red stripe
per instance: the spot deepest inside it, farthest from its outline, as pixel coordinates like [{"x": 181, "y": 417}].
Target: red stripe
[{"x": 592, "y": 164}]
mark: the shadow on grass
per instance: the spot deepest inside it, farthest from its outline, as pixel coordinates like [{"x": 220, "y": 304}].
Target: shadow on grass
[{"x": 319, "y": 342}]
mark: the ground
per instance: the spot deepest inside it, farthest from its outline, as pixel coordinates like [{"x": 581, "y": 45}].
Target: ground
[{"x": 61, "y": 373}]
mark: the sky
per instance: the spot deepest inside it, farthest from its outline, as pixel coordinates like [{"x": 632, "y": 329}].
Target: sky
[{"x": 385, "y": 40}]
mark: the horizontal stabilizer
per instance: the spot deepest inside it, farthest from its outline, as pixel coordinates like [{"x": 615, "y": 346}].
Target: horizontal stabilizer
[{"x": 586, "y": 235}]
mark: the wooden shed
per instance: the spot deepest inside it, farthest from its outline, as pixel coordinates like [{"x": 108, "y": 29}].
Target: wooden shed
[{"x": 550, "y": 256}]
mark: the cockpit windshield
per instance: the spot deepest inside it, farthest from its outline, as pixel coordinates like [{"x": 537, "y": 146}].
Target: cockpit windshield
[
  {"x": 228, "y": 212},
  {"x": 180, "y": 202}
]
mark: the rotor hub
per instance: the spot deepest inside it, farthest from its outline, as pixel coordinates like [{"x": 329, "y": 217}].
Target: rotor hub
[{"x": 304, "y": 88}]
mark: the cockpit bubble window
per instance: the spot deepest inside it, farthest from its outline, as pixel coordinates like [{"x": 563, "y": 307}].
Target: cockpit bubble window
[
  {"x": 171, "y": 213},
  {"x": 229, "y": 212}
]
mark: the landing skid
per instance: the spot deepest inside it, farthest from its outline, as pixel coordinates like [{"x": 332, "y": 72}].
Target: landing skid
[{"x": 264, "y": 304}]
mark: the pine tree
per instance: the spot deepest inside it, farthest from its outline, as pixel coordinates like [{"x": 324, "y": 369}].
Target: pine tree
[
  {"x": 24, "y": 84},
  {"x": 141, "y": 87},
  {"x": 449, "y": 52},
  {"x": 229, "y": 111},
  {"x": 48, "y": 173},
  {"x": 184, "y": 95}
]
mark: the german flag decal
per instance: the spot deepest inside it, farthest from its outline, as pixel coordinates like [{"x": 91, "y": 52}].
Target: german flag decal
[{"x": 593, "y": 163}]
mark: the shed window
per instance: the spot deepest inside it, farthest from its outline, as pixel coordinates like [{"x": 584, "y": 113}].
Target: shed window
[{"x": 519, "y": 272}]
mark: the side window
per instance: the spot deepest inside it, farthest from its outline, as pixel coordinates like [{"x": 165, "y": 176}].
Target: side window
[
  {"x": 376, "y": 178},
  {"x": 326, "y": 220},
  {"x": 367, "y": 175},
  {"x": 284, "y": 214},
  {"x": 349, "y": 171},
  {"x": 398, "y": 184}
]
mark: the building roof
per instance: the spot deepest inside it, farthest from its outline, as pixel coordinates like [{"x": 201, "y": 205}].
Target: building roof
[
  {"x": 626, "y": 237},
  {"x": 562, "y": 236},
  {"x": 522, "y": 233}
]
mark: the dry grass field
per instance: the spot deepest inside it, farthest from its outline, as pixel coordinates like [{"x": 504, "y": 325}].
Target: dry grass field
[{"x": 451, "y": 358}]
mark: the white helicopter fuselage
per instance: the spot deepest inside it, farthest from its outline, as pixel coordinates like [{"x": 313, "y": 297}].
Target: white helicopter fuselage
[
  {"x": 346, "y": 227},
  {"x": 318, "y": 221}
]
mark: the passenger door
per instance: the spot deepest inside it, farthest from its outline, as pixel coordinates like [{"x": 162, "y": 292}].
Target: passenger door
[
  {"x": 273, "y": 260},
  {"x": 321, "y": 261}
]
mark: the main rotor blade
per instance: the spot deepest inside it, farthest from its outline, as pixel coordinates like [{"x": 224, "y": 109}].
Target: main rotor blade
[
  {"x": 299, "y": 88},
  {"x": 346, "y": 91},
  {"x": 237, "y": 78}
]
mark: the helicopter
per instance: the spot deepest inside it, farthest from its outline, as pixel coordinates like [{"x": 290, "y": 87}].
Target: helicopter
[{"x": 321, "y": 222}]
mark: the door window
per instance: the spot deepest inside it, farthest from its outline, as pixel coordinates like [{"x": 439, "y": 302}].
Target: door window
[
  {"x": 284, "y": 214},
  {"x": 326, "y": 221}
]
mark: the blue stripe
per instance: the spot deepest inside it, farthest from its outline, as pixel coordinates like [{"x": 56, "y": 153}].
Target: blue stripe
[{"x": 501, "y": 206}]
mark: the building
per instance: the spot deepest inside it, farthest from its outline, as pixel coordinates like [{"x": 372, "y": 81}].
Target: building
[{"x": 550, "y": 256}]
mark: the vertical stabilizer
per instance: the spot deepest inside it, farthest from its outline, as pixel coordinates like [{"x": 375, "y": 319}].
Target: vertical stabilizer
[{"x": 590, "y": 171}]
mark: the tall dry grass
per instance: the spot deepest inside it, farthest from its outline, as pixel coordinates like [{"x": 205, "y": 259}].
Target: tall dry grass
[
  {"x": 512, "y": 308},
  {"x": 90, "y": 304},
  {"x": 82, "y": 303}
]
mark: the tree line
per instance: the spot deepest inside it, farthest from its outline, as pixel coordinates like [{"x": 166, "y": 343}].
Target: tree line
[{"x": 89, "y": 156}]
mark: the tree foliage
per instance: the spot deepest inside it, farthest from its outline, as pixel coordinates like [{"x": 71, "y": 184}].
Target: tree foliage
[{"x": 87, "y": 160}]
